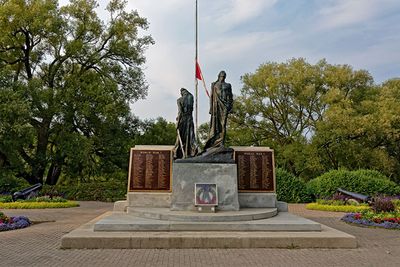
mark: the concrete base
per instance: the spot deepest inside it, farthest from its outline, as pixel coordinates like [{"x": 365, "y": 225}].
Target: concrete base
[
  {"x": 195, "y": 216},
  {"x": 282, "y": 206},
  {"x": 86, "y": 237},
  {"x": 185, "y": 175},
  {"x": 257, "y": 200},
  {"x": 149, "y": 199},
  {"x": 121, "y": 206},
  {"x": 120, "y": 222}
]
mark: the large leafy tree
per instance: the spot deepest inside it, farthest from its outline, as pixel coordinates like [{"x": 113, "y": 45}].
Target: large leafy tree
[
  {"x": 362, "y": 132},
  {"x": 281, "y": 105},
  {"x": 67, "y": 78}
]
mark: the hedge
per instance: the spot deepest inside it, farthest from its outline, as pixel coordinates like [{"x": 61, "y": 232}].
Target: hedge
[
  {"x": 290, "y": 188},
  {"x": 366, "y": 182},
  {"x": 98, "y": 191},
  {"x": 38, "y": 205},
  {"x": 10, "y": 184},
  {"x": 340, "y": 208}
]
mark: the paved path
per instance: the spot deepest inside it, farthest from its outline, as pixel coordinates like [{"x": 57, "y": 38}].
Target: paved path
[{"x": 38, "y": 245}]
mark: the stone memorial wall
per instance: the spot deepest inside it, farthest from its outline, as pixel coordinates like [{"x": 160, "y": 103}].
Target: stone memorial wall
[{"x": 150, "y": 170}]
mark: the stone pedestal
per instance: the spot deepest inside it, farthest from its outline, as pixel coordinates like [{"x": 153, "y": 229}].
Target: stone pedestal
[
  {"x": 149, "y": 199},
  {"x": 257, "y": 200},
  {"x": 185, "y": 175}
]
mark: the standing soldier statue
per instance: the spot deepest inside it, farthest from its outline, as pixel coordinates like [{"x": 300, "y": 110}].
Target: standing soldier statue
[
  {"x": 221, "y": 102},
  {"x": 185, "y": 145}
]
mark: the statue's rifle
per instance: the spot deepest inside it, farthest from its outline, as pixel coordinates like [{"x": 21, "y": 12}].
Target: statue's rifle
[{"x": 180, "y": 142}]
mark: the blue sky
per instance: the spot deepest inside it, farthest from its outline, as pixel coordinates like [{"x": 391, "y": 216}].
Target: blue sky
[{"x": 239, "y": 35}]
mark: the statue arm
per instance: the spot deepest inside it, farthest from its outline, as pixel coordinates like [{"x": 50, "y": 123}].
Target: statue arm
[
  {"x": 180, "y": 111},
  {"x": 211, "y": 98},
  {"x": 230, "y": 98}
]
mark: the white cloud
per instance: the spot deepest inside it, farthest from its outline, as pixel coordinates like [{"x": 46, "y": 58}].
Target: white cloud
[
  {"x": 243, "y": 45},
  {"x": 373, "y": 57},
  {"x": 342, "y": 13},
  {"x": 239, "y": 11}
]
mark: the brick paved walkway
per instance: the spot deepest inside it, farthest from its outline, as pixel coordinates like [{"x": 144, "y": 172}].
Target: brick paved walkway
[{"x": 38, "y": 245}]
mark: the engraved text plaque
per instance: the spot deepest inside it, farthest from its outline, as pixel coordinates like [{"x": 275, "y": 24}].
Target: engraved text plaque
[
  {"x": 255, "y": 170},
  {"x": 150, "y": 170}
]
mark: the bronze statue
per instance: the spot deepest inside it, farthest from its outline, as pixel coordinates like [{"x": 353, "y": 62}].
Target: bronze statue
[
  {"x": 185, "y": 145},
  {"x": 221, "y": 102}
]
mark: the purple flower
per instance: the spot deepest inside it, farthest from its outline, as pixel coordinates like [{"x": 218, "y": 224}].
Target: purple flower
[
  {"x": 351, "y": 218},
  {"x": 15, "y": 223}
]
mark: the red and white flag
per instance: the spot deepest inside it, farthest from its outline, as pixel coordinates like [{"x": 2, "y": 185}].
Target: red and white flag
[{"x": 200, "y": 77}]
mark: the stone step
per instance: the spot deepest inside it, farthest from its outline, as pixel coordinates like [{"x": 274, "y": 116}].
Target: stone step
[
  {"x": 122, "y": 222},
  {"x": 86, "y": 238},
  {"x": 166, "y": 214}
]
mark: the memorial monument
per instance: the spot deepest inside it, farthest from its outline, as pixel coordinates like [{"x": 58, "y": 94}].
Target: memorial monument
[{"x": 165, "y": 196}]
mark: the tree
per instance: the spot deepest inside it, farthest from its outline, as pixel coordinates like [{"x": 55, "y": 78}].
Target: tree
[
  {"x": 362, "y": 132},
  {"x": 156, "y": 132},
  {"x": 281, "y": 105},
  {"x": 73, "y": 75}
]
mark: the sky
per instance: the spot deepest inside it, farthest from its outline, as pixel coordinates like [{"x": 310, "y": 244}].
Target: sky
[{"x": 239, "y": 35}]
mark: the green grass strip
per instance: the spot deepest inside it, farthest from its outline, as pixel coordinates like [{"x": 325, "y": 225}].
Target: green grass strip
[
  {"x": 38, "y": 205},
  {"x": 340, "y": 208}
]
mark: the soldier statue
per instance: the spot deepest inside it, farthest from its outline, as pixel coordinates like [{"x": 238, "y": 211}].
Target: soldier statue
[{"x": 185, "y": 145}]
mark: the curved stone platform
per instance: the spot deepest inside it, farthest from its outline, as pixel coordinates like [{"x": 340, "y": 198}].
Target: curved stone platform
[
  {"x": 126, "y": 231},
  {"x": 122, "y": 222},
  {"x": 165, "y": 214}
]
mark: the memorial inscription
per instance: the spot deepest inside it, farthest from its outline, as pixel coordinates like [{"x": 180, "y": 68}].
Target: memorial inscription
[
  {"x": 150, "y": 170},
  {"x": 255, "y": 171}
]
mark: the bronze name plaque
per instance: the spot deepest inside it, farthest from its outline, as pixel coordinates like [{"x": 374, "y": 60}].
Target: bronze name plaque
[
  {"x": 150, "y": 170},
  {"x": 255, "y": 171}
]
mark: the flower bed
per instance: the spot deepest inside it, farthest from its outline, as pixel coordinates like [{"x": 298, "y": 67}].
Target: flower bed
[
  {"x": 337, "y": 208},
  {"x": 388, "y": 221},
  {"x": 43, "y": 202},
  {"x": 38, "y": 205},
  {"x": 12, "y": 223}
]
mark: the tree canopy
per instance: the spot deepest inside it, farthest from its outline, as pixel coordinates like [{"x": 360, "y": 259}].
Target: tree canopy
[
  {"x": 319, "y": 117},
  {"x": 67, "y": 78}
]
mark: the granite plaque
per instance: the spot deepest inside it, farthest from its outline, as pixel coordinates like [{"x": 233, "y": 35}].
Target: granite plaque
[
  {"x": 150, "y": 170},
  {"x": 255, "y": 171}
]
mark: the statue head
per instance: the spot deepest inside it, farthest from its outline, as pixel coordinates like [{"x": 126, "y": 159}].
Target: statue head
[
  {"x": 222, "y": 75},
  {"x": 184, "y": 91}
]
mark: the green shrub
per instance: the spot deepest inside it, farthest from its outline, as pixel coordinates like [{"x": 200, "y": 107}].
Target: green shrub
[
  {"x": 5, "y": 198},
  {"x": 339, "y": 208},
  {"x": 38, "y": 205},
  {"x": 98, "y": 191},
  {"x": 9, "y": 183},
  {"x": 362, "y": 181},
  {"x": 290, "y": 188}
]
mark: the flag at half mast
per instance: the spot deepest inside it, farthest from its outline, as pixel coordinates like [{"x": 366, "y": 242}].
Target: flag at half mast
[{"x": 199, "y": 76}]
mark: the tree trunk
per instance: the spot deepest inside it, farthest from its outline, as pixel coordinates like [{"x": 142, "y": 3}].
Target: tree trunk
[
  {"x": 40, "y": 158},
  {"x": 3, "y": 160},
  {"x": 53, "y": 174}
]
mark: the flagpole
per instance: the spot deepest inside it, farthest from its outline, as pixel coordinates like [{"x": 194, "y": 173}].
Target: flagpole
[{"x": 195, "y": 78}]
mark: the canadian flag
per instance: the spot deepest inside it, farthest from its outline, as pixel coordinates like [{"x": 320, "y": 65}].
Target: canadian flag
[{"x": 200, "y": 77}]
